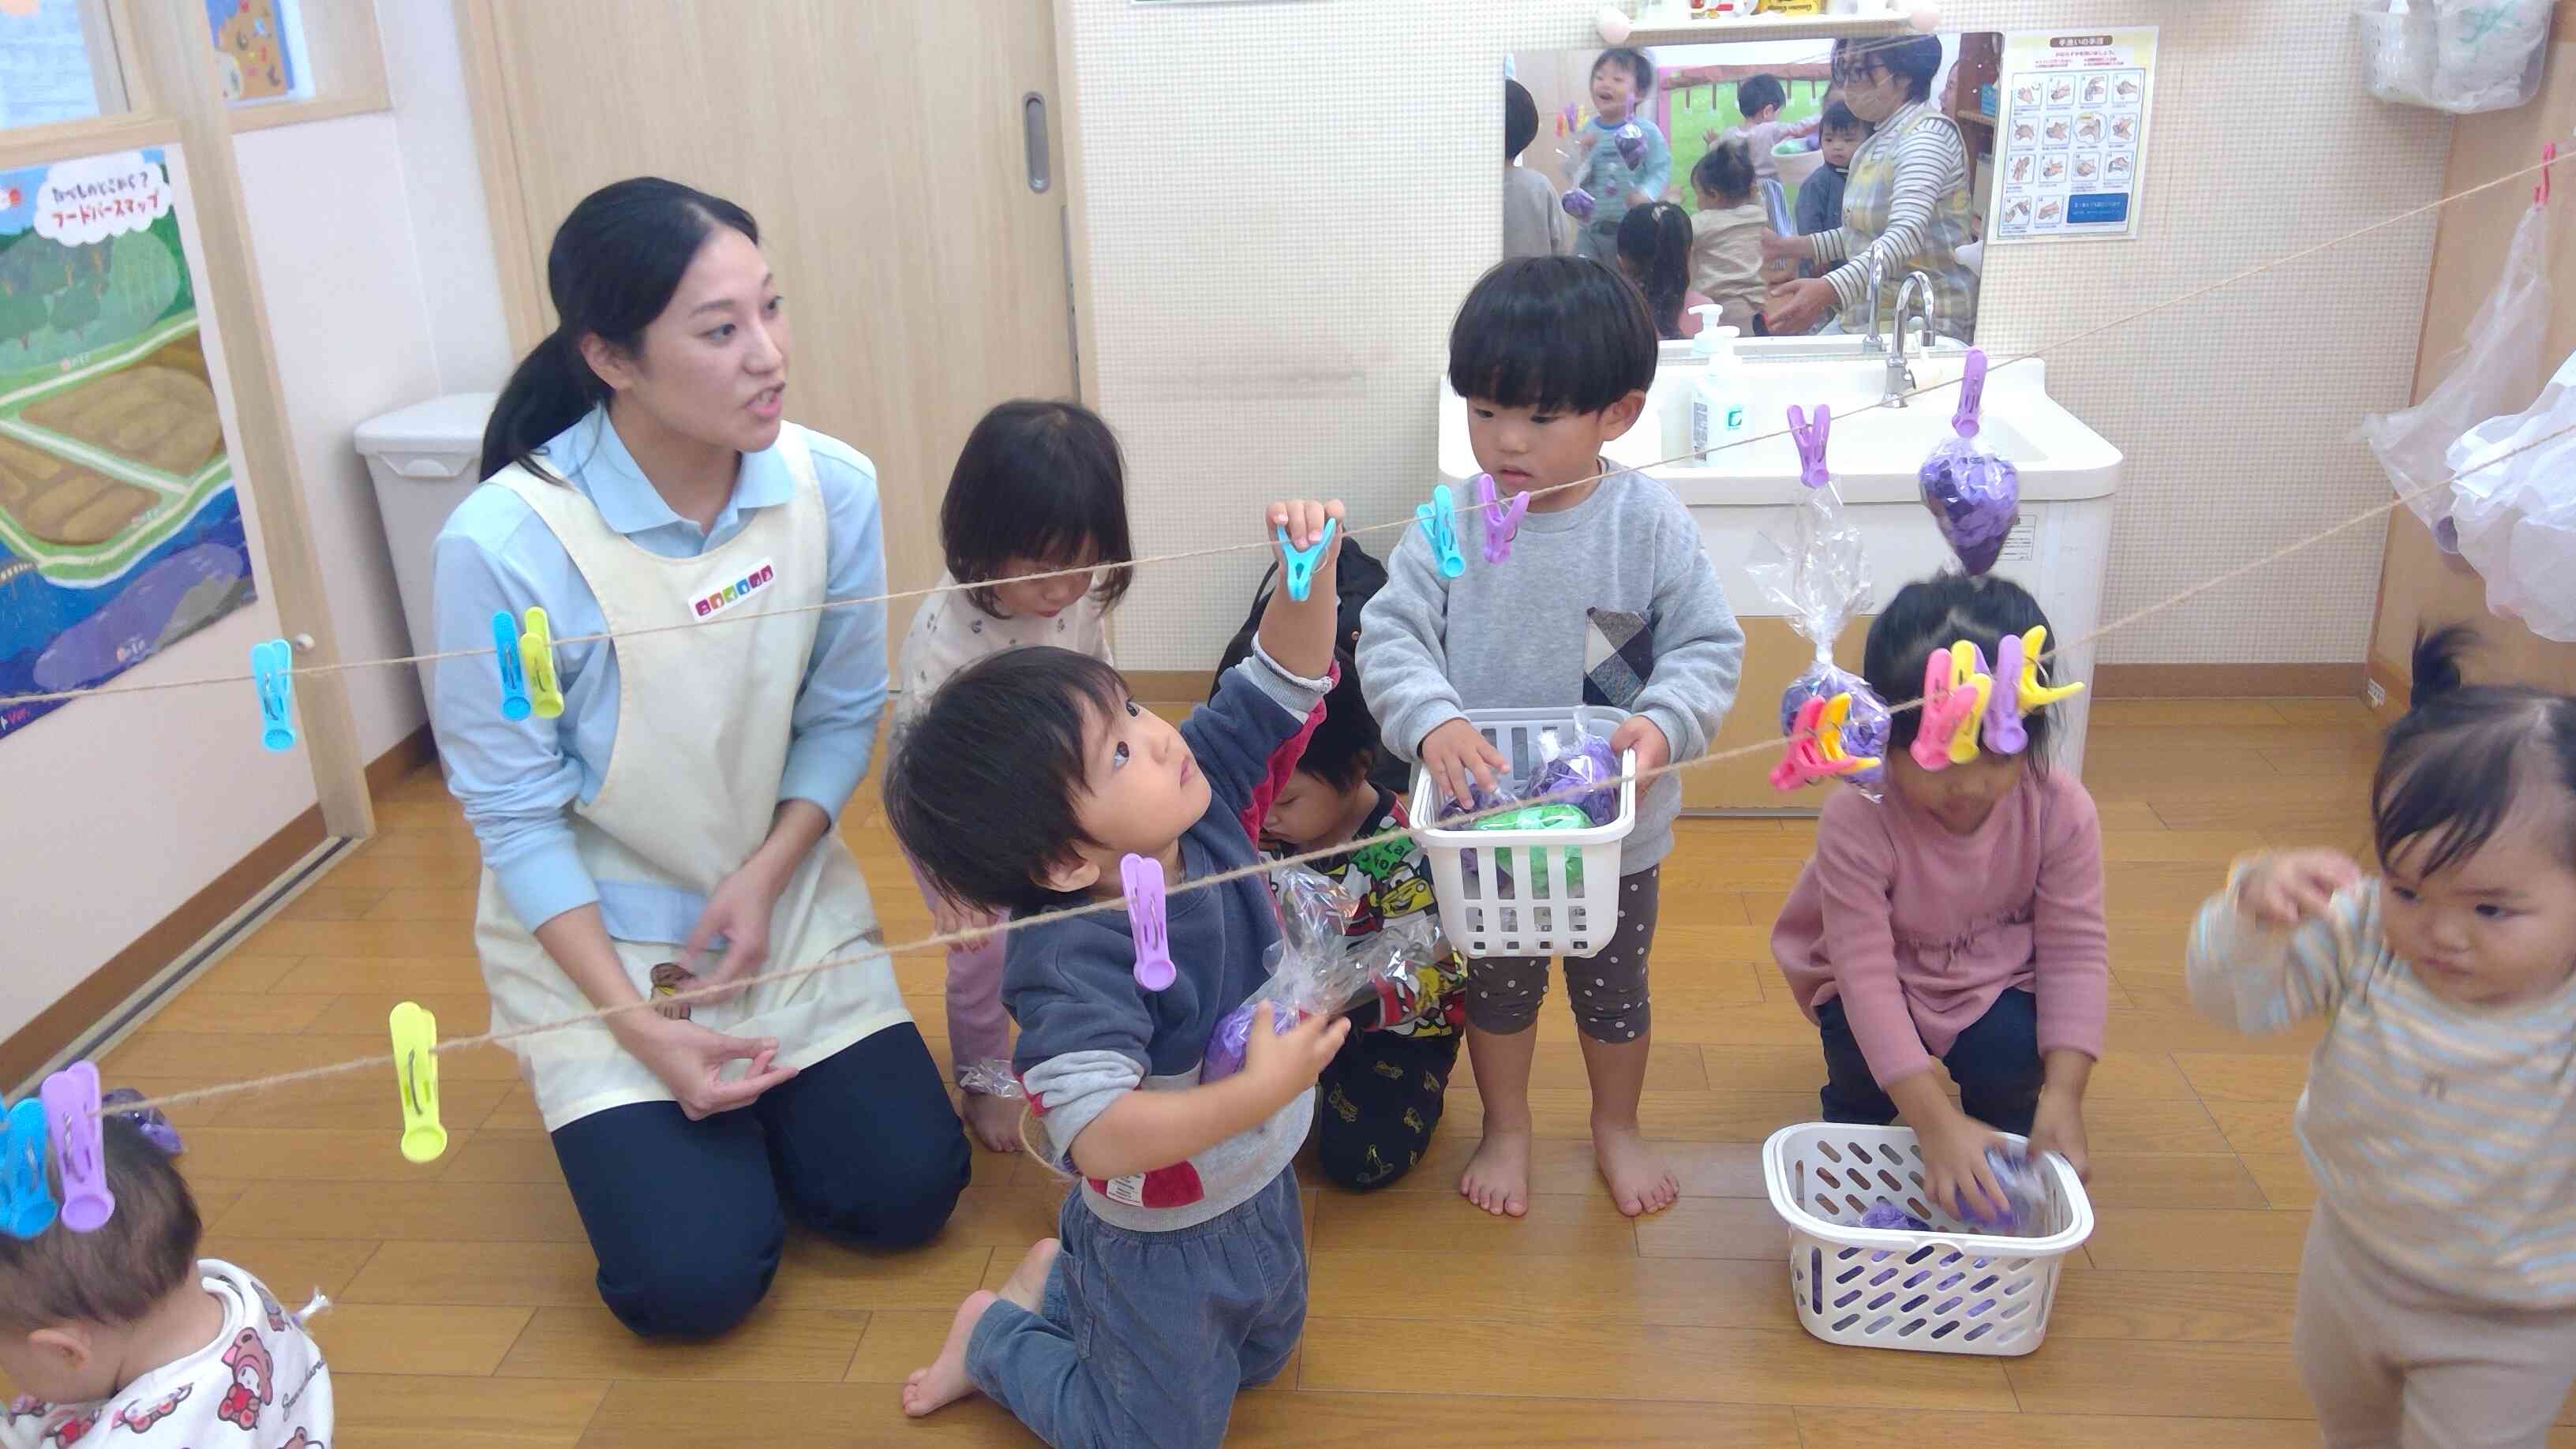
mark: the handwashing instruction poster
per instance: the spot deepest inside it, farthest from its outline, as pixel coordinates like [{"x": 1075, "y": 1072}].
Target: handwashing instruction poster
[{"x": 2071, "y": 142}]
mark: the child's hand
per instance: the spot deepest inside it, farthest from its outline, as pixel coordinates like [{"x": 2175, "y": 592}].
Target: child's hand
[
  {"x": 1304, "y": 520},
  {"x": 1954, "y": 1166},
  {"x": 2286, "y": 889},
  {"x": 1647, "y": 739},
  {"x": 1776, "y": 247},
  {"x": 2058, "y": 1127},
  {"x": 1456, "y": 755},
  {"x": 1286, "y": 1063}
]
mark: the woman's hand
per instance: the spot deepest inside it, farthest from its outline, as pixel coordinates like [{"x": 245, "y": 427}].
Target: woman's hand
[
  {"x": 1796, "y": 307},
  {"x": 739, "y": 911},
  {"x": 1778, "y": 248},
  {"x": 2287, "y": 889},
  {"x": 690, "y": 1059},
  {"x": 2058, "y": 1126},
  {"x": 1954, "y": 1165}
]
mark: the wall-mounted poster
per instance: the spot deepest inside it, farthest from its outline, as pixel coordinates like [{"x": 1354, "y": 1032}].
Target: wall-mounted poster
[
  {"x": 2071, "y": 144},
  {"x": 120, "y": 533}
]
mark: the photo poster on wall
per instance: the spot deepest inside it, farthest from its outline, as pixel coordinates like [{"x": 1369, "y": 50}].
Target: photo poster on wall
[
  {"x": 120, "y": 531},
  {"x": 255, "y": 49},
  {"x": 2071, "y": 142}
]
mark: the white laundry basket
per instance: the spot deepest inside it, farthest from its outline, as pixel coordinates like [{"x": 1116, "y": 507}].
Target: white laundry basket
[
  {"x": 1528, "y": 892},
  {"x": 1953, "y": 1290}
]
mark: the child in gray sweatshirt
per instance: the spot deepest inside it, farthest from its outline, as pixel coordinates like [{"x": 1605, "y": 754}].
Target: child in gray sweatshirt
[{"x": 1607, "y": 599}]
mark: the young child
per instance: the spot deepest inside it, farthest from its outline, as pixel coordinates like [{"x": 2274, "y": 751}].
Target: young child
[
  {"x": 1179, "y": 1273},
  {"x": 1607, "y": 599},
  {"x": 1758, "y": 98},
  {"x": 1959, "y": 918},
  {"x": 1621, "y": 81},
  {"x": 1655, "y": 254},
  {"x": 128, "y": 1329},
  {"x": 1380, "y": 1100},
  {"x": 1726, "y": 235},
  {"x": 2437, "y": 1296},
  {"x": 1532, "y": 225},
  {"x": 1820, "y": 196},
  {"x": 1038, "y": 486}
]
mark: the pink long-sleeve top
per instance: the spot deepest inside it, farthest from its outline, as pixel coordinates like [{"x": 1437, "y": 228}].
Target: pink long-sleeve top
[{"x": 1918, "y": 930}]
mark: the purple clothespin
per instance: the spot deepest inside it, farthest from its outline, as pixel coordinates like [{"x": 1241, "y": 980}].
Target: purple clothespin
[
  {"x": 1972, "y": 394},
  {"x": 1502, "y": 521},
  {"x": 2003, "y": 727},
  {"x": 71, "y": 1117},
  {"x": 1143, "y": 877},
  {"x": 1811, "y": 443}
]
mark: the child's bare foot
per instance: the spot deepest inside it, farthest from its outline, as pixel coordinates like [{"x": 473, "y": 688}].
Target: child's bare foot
[
  {"x": 1640, "y": 1183},
  {"x": 1027, "y": 1283},
  {"x": 944, "y": 1382},
  {"x": 995, "y": 1121},
  {"x": 1497, "y": 1177}
]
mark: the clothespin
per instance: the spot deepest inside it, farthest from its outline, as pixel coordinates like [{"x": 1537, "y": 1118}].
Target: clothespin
[
  {"x": 26, "y": 1203},
  {"x": 415, "y": 1036},
  {"x": 1300, "y": 562},
  {"x": 272, "y": 665},
  {"x": 1143, "y": 877},
  {"x": 537, "y": 657},
  {"x": 1968, "y": 675},
  {"x": 1815, "y": 749},
  {"x": 70, "y": 1098},
  {"x": 514, "y": 678},
  {"x": 2548, "y": 157},
  {"x": 1502, "y": 522},
  {"x": 1951, "y": 704},
  {"x": 1810, "y": 438},
  {"x": 1972, "y": 394},
  {"x": 1829, "y": 738},
  {"x": 2003, "y": 729},
  {"x": 2032, "y": 694},
  {"x": 1439, "y": 520}
]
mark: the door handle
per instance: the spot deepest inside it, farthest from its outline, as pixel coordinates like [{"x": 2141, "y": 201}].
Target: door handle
[{"x": 1033, "y": 121}]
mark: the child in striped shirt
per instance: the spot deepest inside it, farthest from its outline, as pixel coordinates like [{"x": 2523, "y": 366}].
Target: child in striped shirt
[{"x": 2437, "y": 1296}]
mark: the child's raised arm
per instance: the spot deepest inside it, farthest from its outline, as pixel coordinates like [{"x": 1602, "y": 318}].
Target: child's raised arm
[{"x": 2277, "y": 945}]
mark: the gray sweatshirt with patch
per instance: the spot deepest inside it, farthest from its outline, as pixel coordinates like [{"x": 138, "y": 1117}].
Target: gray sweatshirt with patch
[{"x": 1610, "y": 602}]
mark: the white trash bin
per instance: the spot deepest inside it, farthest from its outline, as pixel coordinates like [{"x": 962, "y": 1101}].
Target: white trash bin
[{"x": 423, "y": 460}]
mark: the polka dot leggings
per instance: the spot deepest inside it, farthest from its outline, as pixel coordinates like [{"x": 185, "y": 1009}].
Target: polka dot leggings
[{"x": 1608, "y": 987}]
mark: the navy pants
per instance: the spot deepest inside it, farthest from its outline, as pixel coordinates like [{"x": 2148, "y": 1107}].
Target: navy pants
[
  {"x": 687, "y": 1218},
  {"x": 1995, "y": 1062}
]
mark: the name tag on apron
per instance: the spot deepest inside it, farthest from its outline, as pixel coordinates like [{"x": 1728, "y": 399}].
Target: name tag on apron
[{"x": 718, "y": 595}]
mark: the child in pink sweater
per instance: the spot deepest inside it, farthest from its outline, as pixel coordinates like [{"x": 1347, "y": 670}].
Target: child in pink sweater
[{"x": 1958, "y": 918}]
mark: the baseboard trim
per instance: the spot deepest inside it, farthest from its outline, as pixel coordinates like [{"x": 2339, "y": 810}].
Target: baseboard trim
[
  {"x": 2228, "y": 681},
  {"x": 118, "y": 994}
]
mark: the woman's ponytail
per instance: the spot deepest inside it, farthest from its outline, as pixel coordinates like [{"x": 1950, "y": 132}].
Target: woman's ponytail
[{"x": 548, "y": 392}]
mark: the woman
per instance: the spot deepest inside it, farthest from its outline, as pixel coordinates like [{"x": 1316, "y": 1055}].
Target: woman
[
  {"x": 1906, "y": 207},
  {"x": 677, "y": 817}
]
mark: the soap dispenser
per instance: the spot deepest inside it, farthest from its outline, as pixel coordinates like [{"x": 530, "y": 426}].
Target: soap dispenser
[{"x": 1718, "y": 398}]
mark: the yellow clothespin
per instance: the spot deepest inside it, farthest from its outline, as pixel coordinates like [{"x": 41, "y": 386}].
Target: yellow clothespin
[
  {"x": 2032, "y": 693},
  {"x": 1965, "y": 675},
  {"x": 1829, "y": 737},
  {"x": 537, "y": 662},
  {"x": 415, "y": 1034}
]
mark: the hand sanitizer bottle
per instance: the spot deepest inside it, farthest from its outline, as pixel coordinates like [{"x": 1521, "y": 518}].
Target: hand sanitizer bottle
[{"x": 1717, "y": 399}]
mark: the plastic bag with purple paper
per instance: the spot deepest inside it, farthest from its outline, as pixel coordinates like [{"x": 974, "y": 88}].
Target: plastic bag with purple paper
[
  {"x": 1388, "y": 970},
  {"x": 2024, "y": 1180},
  {"x": 1585, "y": 765},
  {"x": 2513, "y": 503},
  {"x": 1972, "y": 493},
  {"x": 2489, "y": 372},
  {"x": 991, "y": 1077},
  {"x": 1313, "y": 909},
  {"x": 1818, "y": 574}
]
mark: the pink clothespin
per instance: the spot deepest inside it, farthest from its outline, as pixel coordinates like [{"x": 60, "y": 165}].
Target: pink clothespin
[
  {"x": 71, "y": 1117},
  {"x": 2548, "y": 157},
  {"x": 1810, "y": 439},
  {"x": 1815, "y": 749},
  {"x": 1143, "y": 877},
  {"x": 1502, "y": 521},
  {"x": 2004, "y": 732},
  {"x": 1950, "y": 701}
]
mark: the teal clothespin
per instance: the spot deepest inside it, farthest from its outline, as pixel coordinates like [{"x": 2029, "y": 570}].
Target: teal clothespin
[
  {"x": 26, "y": 1203},
  {"x": 272, "y": 666},
  {"x": 514, "y": 679},
  {"x": 1301, "y": 561},
  {"x": 1439, "y": 520}
]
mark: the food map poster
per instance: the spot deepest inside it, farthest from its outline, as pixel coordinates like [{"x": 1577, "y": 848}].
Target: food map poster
[
  {"x": 2071, "y": 143},
  {"x": 120, "y": 532}
]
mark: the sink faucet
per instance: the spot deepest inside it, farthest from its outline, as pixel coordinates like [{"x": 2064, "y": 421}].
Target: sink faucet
[
  {"x": 1875, "y": 269},
  {"x": 1917, "y": 293}
]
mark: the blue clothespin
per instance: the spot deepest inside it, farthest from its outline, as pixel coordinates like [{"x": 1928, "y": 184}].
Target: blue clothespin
[
  {"x": 1810, "y": 439},
  {"x": 1301, "y": 561},
  {"x": 514, "y": 679},
  {"x": 1502, "y": 521},
  {"x": 26, "y": 1203},
  {"x": 272, "y": 666},
  {"x": 1439, "y": 520}
]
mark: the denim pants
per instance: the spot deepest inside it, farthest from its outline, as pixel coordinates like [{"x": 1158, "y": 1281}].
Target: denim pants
[
  {"x": 1145, "y": 1338},
  {"x": 1995, "y": 1062}
]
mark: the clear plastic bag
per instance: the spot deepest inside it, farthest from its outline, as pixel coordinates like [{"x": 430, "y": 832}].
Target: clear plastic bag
[
  {"x": 1585, "y": 766},
  {"x": 2490, "y": 371},
  {"x": 2454, "y": 55},
  {"x": 1972, "y": 492},
  {"x": 1819, "y": 576},
  {"x": 2516, "y": 518},
  {"x": 991, "y": 1077},
  {"x": 1388, "y": 971}
]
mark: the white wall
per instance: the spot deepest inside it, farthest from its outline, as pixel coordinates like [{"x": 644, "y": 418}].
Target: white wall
[
  {"x": 377, "y": 266},
  {"x": 1286, "y": 202}
]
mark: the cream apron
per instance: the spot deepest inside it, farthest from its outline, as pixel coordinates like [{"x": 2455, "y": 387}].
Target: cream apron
[{"x": 703, "y": 720}]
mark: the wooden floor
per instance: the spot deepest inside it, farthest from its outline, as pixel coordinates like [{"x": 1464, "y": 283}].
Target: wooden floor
[{"x": 465, "y": 1315}]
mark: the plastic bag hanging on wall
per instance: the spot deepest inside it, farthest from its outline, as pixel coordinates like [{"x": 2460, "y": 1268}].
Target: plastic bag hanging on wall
[
  {"x": 2453, "y": 55},
  {"x": 2492, "y": 370},
  {"x": 2517, "y": 517}
]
